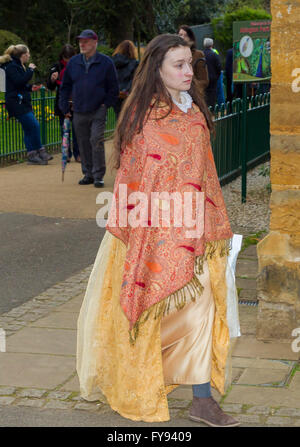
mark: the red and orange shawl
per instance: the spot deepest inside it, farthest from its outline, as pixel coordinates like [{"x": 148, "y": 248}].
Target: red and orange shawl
[{"x": 171, "y": 154}]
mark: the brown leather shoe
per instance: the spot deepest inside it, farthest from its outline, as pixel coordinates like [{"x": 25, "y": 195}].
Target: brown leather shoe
[{"x": 207, "y": 410}]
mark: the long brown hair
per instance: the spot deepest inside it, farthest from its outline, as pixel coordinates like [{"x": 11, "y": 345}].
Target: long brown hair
[
  {"x": 67, "y": 52},
  {"x": 126, "y": 48},
  {"x": 147, "y": 84}
]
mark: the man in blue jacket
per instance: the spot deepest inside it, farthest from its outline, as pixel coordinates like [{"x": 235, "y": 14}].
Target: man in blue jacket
[{"x": 90, "y": 79}]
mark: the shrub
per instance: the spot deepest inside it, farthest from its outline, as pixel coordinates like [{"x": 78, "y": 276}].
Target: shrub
[
  {"x": 49, "y": 114},
  {"x": 3, "y": 114},
  {"x": 222, "y": 26},
  {"x": 7, "y": 38},
  {"x": 104, "y": 49}
]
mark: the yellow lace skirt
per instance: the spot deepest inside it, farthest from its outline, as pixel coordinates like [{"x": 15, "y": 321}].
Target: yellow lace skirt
[{"x": 188, "y": 346}]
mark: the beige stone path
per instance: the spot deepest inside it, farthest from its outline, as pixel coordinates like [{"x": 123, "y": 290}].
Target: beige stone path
[
  {"x": 39, "y": 189},
  {"x": 38, "y": 368}
]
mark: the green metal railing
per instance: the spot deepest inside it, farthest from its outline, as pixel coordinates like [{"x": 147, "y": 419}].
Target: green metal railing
[
  {"x": 12, "y": 147},
  {"x": 232, "y": 128}
]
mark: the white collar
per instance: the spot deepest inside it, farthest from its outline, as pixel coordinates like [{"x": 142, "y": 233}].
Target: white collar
[{"x": 186, "y": 102}]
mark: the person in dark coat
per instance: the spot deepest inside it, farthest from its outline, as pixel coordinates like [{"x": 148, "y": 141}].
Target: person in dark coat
[
  {"x": 125, "y": 62},
  {"x": 18, "y": 100},
  {"x": 53, "y": 83},
  {"x": 214, "y": 71},
  {"x": 91, "y": 80},
  {"x": 199, "y": 62}
]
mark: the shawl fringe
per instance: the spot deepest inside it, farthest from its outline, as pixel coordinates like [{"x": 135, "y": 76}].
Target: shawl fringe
[{"x": 179, "y": 297}]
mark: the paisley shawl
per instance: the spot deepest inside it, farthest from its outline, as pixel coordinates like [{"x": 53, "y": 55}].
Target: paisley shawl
[{"x": 172, "y": 154}]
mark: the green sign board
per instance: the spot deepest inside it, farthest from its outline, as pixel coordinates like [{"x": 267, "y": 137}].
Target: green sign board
[{"x": 251, "y": 51}]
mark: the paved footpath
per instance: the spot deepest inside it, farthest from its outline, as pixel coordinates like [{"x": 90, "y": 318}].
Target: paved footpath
[{"x": 39, "y": 384}]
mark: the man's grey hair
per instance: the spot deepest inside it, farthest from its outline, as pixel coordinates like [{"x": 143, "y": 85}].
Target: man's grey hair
[{"x": 208, "y": 42}]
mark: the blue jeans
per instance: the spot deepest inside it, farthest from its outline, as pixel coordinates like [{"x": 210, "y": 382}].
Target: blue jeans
[
  {"x": 202, "y": 390},
  {"x": 31, "y": 129},
  {"x": 75, "y": 144}
]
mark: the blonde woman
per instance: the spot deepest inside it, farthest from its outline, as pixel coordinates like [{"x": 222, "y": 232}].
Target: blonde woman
[
  {"x": 126, "y": 65},
  {"x": 18, "y": 100}
]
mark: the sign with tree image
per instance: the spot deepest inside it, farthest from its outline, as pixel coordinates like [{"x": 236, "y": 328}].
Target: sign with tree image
[{"x": 251, "y": 51}]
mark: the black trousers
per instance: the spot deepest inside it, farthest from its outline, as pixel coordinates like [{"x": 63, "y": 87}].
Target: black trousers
[
  {"x": 89, "y": 129},
  {"x": 211, "y": 95}
]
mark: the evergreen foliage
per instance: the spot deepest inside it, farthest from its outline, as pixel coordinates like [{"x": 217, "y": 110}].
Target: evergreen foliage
[
  {"x": 222, "y": 26},
  {"x": 8, "y": 38},
  {"x": 46, "y": 26}
]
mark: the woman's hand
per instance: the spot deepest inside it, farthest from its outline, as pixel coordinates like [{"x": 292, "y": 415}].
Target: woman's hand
[
  {"x": 32, "y": 66},
  {"x": 54, "y": 76},
  {"x": 35, "y": 88},
  {"x": 123, "y": 94}
]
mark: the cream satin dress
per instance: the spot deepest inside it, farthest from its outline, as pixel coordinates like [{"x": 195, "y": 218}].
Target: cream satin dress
[{"x": 187, "y": 346}]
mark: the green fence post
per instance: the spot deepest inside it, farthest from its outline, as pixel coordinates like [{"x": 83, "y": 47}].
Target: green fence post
[
  {"x": 43, "y": 116},
  {"x": 2, "y": 124},
  {"x": 244, "y": 144}
]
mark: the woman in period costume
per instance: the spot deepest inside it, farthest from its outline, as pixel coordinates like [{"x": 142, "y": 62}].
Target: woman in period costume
[{"x": 154, "y": 313}]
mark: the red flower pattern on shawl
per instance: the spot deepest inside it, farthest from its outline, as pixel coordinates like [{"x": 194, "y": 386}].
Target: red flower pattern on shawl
[{"x": 172, "y": 155}]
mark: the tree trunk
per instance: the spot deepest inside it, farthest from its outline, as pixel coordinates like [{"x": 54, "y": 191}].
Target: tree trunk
[
  {"x": 123, "y": 31},
  {"x": 70, "y": 24}
]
